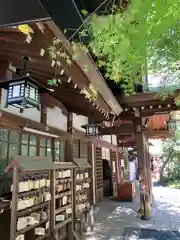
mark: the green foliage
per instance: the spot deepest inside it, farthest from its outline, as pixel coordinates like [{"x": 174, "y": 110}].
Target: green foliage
[
  {"x": 58, "y": 54},
  {"x": 52, "y": 82},
  {"x": 174, "y": 183},
  {"x": 172, "y": 154},
  {"x": 171, "y": 81},
  {"x": 129, "y": 42},
  {"x": 124, "y": 41}
]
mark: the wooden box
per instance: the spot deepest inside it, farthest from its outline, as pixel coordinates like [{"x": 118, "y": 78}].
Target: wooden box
[{"x": 126, "y": 191}]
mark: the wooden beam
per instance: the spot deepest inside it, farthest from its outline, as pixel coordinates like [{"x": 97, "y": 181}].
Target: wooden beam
[
  {"x": 15, "y": 50},
  {"x": 43, "y": 76},
  {"x": 146, "y": 100},
  {"x": 122, "y": 129},
  {"x": 127, "y": 144},
  {"x": 148, "y": 112},
  {"x": 20, "y": 122},
  {"x": 126, "y": 137}
]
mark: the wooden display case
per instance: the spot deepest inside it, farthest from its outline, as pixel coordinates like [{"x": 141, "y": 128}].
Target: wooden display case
[
  {"x": 99, "y": 174},
  {"x": 63, "y": 196},
  {"x": 82, "y": 186},
  {"x": 31, "y": 198}
]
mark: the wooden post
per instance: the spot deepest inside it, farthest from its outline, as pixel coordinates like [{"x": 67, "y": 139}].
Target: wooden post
[
  {"x": 143, "y": 168},
  {"x": 69, "y": 157},
  {"x": 14, "y": 203},
  {"x": 73, "y": 198},
  {"x": 118, "y": 164},
  {"x": 52, "y": 206},
  {"x": 93, "y": 149},
  {"x": 149, "y": 172},
  {"x": 91, "y": 171}
]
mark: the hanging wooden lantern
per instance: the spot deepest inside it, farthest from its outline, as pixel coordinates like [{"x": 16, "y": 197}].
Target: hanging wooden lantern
[
  {"x": 91, "y": 129},
  {"x": 23, "y": 93},
  {"x": 171, "y": 125}
]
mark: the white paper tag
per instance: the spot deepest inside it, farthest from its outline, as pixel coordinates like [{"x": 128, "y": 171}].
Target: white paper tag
[
  {"x": 47, "y": 225},
  {"x": 60, "y": 218}
]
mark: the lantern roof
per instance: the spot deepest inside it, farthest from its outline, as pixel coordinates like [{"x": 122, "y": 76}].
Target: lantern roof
[
  {"x": 90, "y": 125},
  {"x": 99, "y": 125}
]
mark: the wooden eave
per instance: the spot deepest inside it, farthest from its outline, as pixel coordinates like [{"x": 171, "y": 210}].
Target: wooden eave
[
  {"x": 13, "y": 47},
  {"x": 93, "y": 74},
  {"x": 148, "y": 104},
  {"x": 147, "y": 99}
]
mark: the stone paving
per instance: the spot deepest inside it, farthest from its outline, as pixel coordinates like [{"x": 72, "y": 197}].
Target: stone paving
[{"x": 114, "y": 218}]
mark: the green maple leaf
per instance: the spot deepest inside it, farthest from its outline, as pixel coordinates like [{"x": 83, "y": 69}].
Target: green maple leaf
[
  {"x": 52, "y": 82},
  {"x": 84, "y": 12}
]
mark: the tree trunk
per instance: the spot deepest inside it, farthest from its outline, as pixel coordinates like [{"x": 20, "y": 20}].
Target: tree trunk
[{"x": 164, "y": 165}]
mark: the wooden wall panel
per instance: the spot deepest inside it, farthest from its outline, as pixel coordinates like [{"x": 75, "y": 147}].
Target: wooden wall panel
[{"x": 99, "y": 174}]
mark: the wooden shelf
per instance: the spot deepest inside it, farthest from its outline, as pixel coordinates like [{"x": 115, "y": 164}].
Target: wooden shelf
[
  {"x": 59, "y": 195},
  {"x": 62, "y": 209},
  {"x": 32, "y": 191},
  {"x": 25, "y": 211},
  {"x": 42, "y": 237},
  {"x": 62, "y": 224},
  {"x": 24, "y": 230},
  {"x": 65, "y": 195},
  {"x": 63, "y": 180}
]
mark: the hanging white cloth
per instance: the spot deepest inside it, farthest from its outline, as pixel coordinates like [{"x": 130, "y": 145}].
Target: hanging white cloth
[{"x": 132, "y": 171}]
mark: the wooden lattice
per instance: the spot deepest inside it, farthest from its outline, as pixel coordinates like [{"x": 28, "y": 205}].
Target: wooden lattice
[
  {"x": 113, "y": 160},
  {"x": 99, "y": 169}
]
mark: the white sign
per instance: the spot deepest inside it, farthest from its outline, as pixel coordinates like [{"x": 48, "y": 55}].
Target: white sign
[
  {"x": 114, "y": 166},
  {"x": 122, "y": 162}
]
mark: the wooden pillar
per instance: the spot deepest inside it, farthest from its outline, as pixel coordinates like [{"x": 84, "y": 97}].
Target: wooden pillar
[
  {"x": 92, "y": 161},
  {"x": 149, "y": 172},
  {"x": 43, "y": 111},
  {"x": 91, "y": 171},
  {"x": 91, "y": 157},
  {"x": 69, "y": 158},
  {"x": 4, "y": 73},
  {"x": 99, "y": 174},
  {"x": 140, "y": 143},
  {"x": 14, "y": 204},
  {"x": 114, "y": 171},
  {"x": 118, "y": 165},
  {"x": 69, "y": 144},
  {"x": 143, "y": 169}
]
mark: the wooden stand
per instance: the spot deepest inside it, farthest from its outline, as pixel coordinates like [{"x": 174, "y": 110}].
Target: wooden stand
[
  {"x": 30, "y": 195},
  {"x": 64, "y": 203},
  {"x": 82, "y": 199},
  {"x": 126, "y": 191},
  {"x": 63, "y": 193}
]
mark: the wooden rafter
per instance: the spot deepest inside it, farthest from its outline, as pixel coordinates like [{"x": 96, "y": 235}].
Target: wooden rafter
[{"x": 13, "y": 47}]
